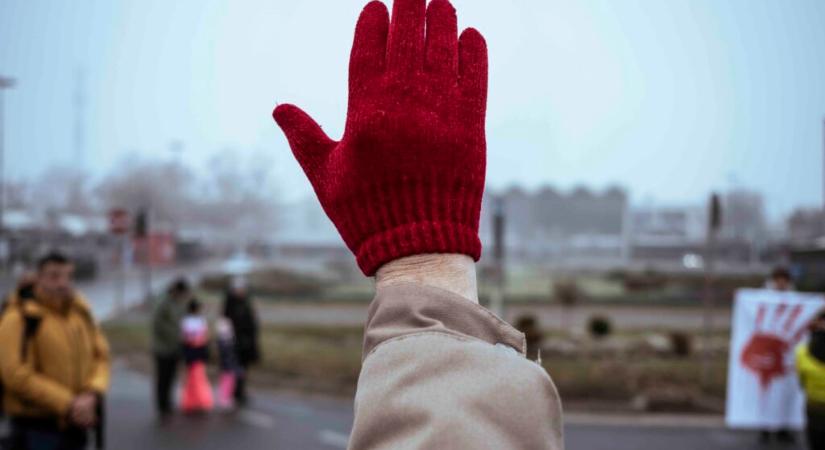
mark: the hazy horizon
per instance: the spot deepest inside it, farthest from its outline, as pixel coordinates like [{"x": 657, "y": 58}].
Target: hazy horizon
[{"x": 668, "y": 99}]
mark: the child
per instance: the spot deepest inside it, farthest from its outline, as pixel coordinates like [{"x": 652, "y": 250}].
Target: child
[
  {"x": 810, "y": 362},
  {"x": 229, "y": 364},
  {"x": 197, "y": 394}
]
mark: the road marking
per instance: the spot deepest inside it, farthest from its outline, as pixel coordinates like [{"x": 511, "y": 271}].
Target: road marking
[
  {"x": 257, "y": 419},
  {"x": 333, "y": 438},
  {"x": 646, "y": 420},
  {"x": 293, "y": 410}
]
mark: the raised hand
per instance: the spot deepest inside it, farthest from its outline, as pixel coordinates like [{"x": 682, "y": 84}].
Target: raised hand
[{"x": 407, "y": 177}]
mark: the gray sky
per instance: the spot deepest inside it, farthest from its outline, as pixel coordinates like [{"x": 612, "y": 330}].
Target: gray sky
[{"x": 668, "y": 98}]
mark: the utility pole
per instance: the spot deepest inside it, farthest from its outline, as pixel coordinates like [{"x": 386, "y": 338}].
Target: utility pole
[
  {"x": 144, "y": 239},
  {"x": 80, "y": 119},
  {"x": 497, "y": 294},
  {"x": 5, "y": 83},
  {"x": 714, "y": 224},
  {"x": 119, "y": 226}
]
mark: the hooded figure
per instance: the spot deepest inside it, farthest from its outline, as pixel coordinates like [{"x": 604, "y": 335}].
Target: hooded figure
[{"x": 239, "y": 310}]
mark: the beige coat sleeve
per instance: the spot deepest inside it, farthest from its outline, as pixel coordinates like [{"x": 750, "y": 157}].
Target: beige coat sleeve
[{"x": 441, "y": 372}]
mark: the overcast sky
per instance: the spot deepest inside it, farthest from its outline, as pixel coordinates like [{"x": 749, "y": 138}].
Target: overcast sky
[{"x": 668, "y": 98}]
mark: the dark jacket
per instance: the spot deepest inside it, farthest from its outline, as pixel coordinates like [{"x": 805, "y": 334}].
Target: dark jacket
[
  {"x": 240, "y": 311},
  {"x": 817, "y": 345},
  {"x": 166, "y": 327},
  {"x": 228, "y": 355}
]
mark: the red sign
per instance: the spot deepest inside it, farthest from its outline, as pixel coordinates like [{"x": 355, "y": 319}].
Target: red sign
[
  {"x": 118, "y": 221},
  {"x": 157, "y": 249}
]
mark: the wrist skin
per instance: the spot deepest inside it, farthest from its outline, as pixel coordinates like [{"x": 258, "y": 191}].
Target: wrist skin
[{"x": 451, "y": 272}]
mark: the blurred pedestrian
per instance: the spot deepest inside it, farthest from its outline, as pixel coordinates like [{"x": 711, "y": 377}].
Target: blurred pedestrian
[
  {"x": 228, "y": 364},
  {"x": 810, "y": 363},
  {"x": 238, "y": 308},
  {"x": 404, "y": 188},
  {"x": 167, "y": 344},
  {"x": 53, "y": 386},
  {"x": 196, "y": 395},
  {"x": 780, "y": 280}
]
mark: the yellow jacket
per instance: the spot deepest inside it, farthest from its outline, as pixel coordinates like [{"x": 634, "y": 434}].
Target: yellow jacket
[
  {"x": 67, "y": 355},
  {"x": 811, "y": 374}
]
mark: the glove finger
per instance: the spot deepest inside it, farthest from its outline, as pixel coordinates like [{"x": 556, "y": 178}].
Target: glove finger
[
  {"x": 405, "y": 49},
  {"x": 472, "y": 68},
  {"x": 369, "y": 50},
  {"x": 309, "y": 143},
  {"x": 442, "y": 39}
]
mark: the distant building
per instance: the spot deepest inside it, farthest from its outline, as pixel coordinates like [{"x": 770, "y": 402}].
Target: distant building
[
  {"x": 743, "y": 216},
  {"x": 551, "y": 226},
  {"x": 806, "y": 226},
  {"x": 667, "y": 234},
  {"x": 667, "y": 225},
  {"x": 676, "y": 236}
]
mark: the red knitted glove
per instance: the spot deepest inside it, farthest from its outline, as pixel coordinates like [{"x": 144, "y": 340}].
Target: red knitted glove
[{"x": 408, "y": 175}]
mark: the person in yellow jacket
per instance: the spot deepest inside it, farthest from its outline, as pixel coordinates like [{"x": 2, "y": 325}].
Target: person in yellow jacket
[
  {"x": 54, "y": 361},
  {"x": 810, "y": 363}
]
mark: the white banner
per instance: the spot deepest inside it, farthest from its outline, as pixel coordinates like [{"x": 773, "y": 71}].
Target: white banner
[{"x": 763, "y": 387}]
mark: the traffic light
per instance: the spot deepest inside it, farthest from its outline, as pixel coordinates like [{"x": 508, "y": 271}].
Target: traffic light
[
  {"x": 715, "y": 222},
  {"x": 141, "y": 223}
]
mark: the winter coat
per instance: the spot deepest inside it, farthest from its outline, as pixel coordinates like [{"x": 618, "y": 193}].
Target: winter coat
[
  {"x": 166, "y": 327},
  {"x": 67, "y": 355},
  {"x": 241, "y": 312},
  {"x": 810, "y": 363},
  {"x": 228, "y": 355},
  {"x": 195, "y": 336},
  {"x": 442, "y": 372}
]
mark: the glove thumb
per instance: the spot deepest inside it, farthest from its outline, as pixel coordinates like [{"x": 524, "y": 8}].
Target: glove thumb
[{"x": 308, "y": 142}]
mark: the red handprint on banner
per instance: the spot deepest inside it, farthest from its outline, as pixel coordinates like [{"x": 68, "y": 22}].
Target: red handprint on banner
[{"x": 764, "y": 353}]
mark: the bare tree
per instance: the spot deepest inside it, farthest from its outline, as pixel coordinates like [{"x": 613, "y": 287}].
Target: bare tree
[
  {"x": 63, "y": 188},
  {"x": 164, "y": 187},
  {"x": 235, "y": 195}
]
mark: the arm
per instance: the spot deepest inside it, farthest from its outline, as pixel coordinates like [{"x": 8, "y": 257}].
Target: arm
[
  {"x": 21, "y": 377},
  {"x": 454, "y": 273},
  {"x": 442, "y": 372},
  {"x": 99, "y": 377},
  {"x": 403, "y": 187}
]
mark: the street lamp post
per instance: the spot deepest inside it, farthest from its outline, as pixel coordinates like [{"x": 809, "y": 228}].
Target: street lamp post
[
  {"x": 714, "y": 224},
  {"x": 5, "y": 83},
  {"x": 497, "y": 293}
]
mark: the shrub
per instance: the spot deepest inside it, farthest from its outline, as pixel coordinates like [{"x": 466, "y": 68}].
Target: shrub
[
  {"x": 600, "y": 327},
  {"x": 681, "y": 343}
]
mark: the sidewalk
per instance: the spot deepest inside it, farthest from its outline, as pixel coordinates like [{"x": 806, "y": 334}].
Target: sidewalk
[{"x": 286, "y": 420}]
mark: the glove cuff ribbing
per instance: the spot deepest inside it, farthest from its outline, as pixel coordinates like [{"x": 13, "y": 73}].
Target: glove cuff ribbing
[{"x": 410, "y": 216}]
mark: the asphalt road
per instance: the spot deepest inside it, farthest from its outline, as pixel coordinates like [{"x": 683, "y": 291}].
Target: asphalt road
[
  {"x": 273, "y": 421},
  {"x": 296, "y": 422}
]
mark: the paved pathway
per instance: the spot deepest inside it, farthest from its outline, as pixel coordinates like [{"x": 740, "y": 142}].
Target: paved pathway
[{"x": 296, "y": 422}]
